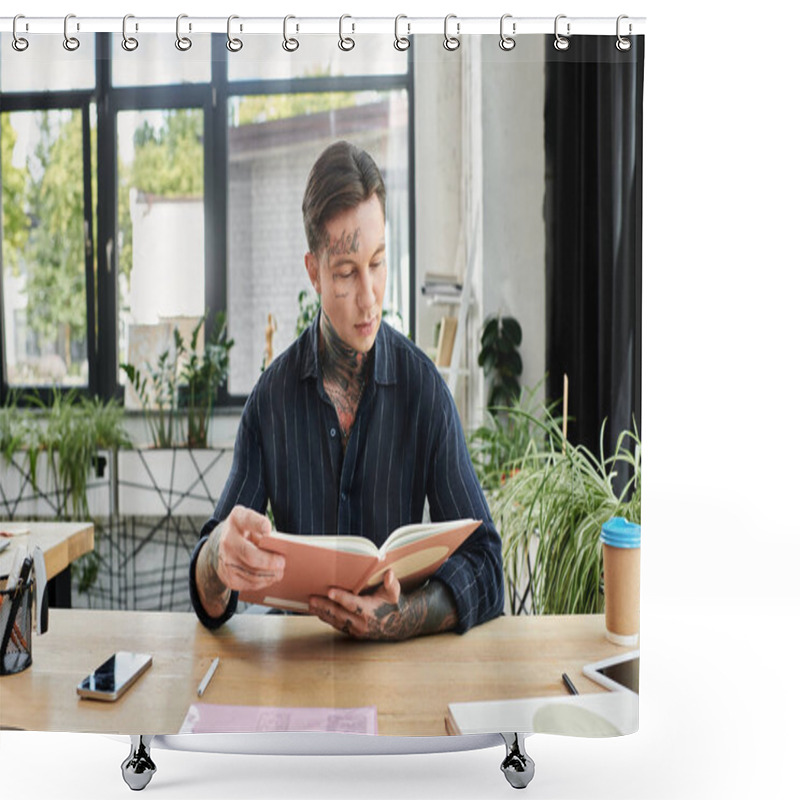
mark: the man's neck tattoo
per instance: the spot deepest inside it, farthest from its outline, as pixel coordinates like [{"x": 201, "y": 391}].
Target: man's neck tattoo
[{"x": 344, "y": 374}]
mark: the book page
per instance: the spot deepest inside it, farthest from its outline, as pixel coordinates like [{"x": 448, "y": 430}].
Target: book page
[
  {"x": 408, "y": 534},
  {"x": 410, "y": 565}
]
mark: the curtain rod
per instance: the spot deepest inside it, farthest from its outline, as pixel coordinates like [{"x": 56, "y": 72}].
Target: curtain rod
[{"x": 350, "y": 25}]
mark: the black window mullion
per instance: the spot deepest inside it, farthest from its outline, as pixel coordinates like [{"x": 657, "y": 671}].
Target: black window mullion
[
  {"x": 106, "y": 385},
  {"x": 337, "y": 83},
  {"x": 135, "y": 98},
  {"x": 88, "y": 250},
  {"x": 44, "y": 101},
  {"x": 412, "y": 221},
  {"x": 216, "y": 193}
]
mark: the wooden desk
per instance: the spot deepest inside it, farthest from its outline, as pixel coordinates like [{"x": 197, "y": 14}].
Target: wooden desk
[
  {"x": 62, "y": 543},
  {"x": 291, "y": 661}
]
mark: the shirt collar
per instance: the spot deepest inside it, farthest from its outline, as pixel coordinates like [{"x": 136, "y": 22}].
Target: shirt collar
[{"x": 384, "y": 366}]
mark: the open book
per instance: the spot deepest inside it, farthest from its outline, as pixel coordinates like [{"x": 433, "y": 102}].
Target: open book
[{"x": 315, "y": 564}]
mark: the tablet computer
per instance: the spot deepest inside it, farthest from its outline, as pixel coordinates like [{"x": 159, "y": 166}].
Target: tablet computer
[{"x": 616, "y": 673}]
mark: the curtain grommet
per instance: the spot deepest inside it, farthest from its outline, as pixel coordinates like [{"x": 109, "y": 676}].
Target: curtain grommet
[
  {"x": 451, "y": 43},
  {"x": 71, "y": 43},
  {"x": 129, "y": 43},
  {"x": 507, "y": 42},
  {"x": 289, "y": 43},
  {"x": 401, "y": 43},
  {"x": 346, "y": 43},
  {"x": 233, "y": 44},
  {"x": 183, "y": 43},
  {"x": 19, "y": 43},
  {"x": 623, "y": 44},
  {"x": 561, "y": 43}
]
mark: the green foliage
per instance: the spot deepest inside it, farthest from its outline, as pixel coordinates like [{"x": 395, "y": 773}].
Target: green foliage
[
  {"x": 158, "y": 392},
  {"x": 167, "y": 162},
  {"x": 70, "y": 432},
  {"x": 186, "y": 378},
  {"x": 15, "y": 220},
  {"x": 309, "y": 304},
  {"x": 551, "y": 509},
  {"x": 203, "y": 375},
  {"x": 43, "y": 225},
  {"x": 501, "y": 360},
  {"x": 255, "y": 109},
  {"x": 499, "y": 446}
]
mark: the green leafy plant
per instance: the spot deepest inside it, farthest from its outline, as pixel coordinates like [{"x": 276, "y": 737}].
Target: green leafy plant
[
  {"x": 308, "y": 303},
  {"x": 550, "y": 513},
  {"x": 158, "y": 392},
  {"x": 203, "y": 374},
  {"x": 498, "y": 447},
  {"x": 499, "y": 356},
  {"x": 69, "y": 432},
  {"x": 186, "y": 379}
]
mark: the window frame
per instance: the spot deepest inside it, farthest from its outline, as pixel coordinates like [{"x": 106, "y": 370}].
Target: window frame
[
  {"x": 212, "y": 97},
  {"x": 81, "y": 100}
]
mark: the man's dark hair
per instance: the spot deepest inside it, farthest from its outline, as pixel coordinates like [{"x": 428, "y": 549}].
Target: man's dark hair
[{"x": 343, "y": 177}]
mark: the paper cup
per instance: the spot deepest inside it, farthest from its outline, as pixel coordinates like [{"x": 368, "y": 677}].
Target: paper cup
[{"x": 621, "y": 577}]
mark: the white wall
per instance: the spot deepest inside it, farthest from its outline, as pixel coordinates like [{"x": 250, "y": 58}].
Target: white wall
[
  {"x": 168, "y": 275},
  {"x": 513, "y": 193},
  {"x": 488, "y": 142}
]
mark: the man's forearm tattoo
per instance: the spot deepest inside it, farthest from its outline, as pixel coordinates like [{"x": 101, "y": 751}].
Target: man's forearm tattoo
[
  {"x": 430, "y": 609},
  {"x": 213, "y": 592}
]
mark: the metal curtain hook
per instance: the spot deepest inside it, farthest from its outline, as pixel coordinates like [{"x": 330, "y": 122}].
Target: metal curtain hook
[
  {"x": 289, "y": 44},
  {"x": 561, "y": 42},
  {"x": 71, "y": 43},
  {"x": 233, "y": 44},
  {"x": 451, "y": 42},
  {"x": 19, "y": 43},
  {"x": 129, "y": 43},
  {"x": 183, "y": 43},
  {"x": 623, "y": 43},
  {"x": 401, "y": 42},
  {"x": 507, "y": 42},
  {"x": 345, "y": 42}
]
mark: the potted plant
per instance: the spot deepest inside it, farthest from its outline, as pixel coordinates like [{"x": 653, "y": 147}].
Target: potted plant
[
  {"x": 202, "y": 375},
  {"x": 50, "y": 454},
  {"x": 178, "y": 474},
  {"x": 499, "y": 356},
  {"x": 550, "y": 500}
]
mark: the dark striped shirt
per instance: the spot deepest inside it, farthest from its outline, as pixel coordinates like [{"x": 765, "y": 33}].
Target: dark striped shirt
[{"x": 406, "y": 445}]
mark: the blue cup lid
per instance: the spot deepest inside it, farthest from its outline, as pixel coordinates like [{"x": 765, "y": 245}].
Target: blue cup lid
[{"x": 618, "y": 532}]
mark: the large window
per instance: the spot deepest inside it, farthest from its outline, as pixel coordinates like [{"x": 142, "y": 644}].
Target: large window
[
  {"x": 144, "y": 190},
  {"x": 160, "y": 230},
  {"x": 45, "y": 237}
]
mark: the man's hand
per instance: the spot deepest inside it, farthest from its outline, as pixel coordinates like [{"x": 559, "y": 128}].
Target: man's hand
[
  {"x": 387, "y": 613},
  {"x": 236, "y": 556}
]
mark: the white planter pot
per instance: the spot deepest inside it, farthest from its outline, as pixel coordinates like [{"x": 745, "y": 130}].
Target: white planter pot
[
  {"x": 20, "y": 499},
  {"x": 177, "y": 481}
]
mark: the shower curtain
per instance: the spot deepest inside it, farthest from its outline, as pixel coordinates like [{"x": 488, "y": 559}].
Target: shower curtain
[{"x": 153, "y": 184}]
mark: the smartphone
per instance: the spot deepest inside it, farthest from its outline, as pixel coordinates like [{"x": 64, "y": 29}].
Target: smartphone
[{"x": 115, "y": 676}]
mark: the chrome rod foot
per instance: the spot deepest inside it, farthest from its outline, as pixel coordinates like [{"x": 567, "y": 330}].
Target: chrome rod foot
[
  {"x": 518, "y": 766},
  {"x": 138, "y": 768}
]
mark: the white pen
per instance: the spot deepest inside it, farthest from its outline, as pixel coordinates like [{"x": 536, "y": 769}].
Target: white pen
[{"x": 207, "y": 678}]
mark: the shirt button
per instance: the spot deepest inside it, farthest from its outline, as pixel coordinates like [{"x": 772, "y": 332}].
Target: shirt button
[
  {"x": 344, "y": 495},
  {"x": 333, "y": 432}
]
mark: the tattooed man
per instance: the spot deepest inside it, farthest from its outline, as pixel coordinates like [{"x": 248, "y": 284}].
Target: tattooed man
[{"x": 350, "y": 430}]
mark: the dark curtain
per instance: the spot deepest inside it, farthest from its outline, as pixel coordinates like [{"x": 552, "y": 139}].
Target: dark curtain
[{"x": 593, "y": 217}]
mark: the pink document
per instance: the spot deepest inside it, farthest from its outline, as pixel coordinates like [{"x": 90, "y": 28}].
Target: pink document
[{"x": 211, "y": 718}]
